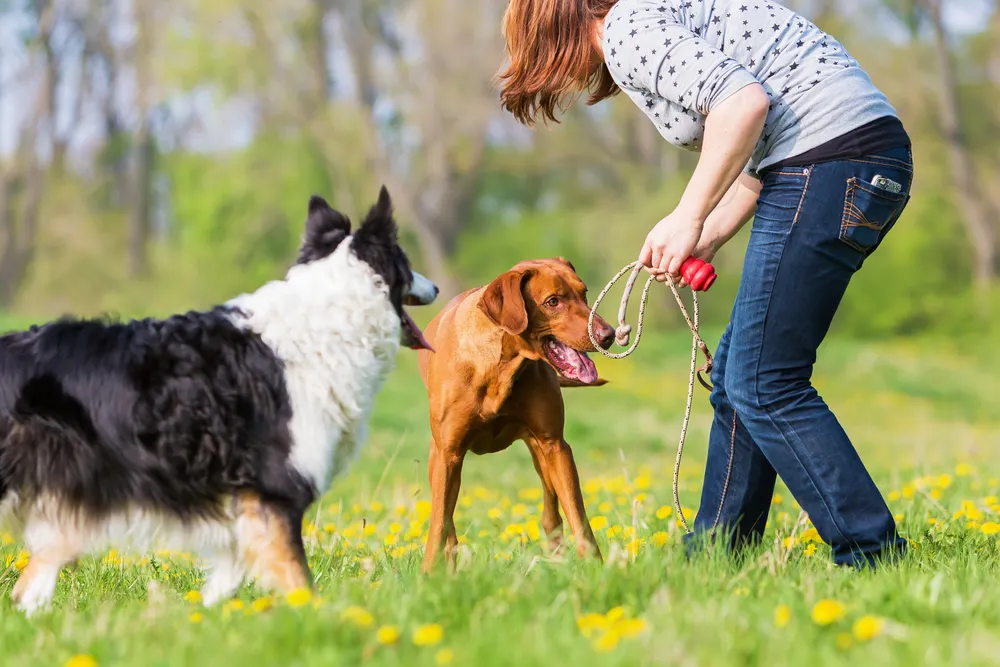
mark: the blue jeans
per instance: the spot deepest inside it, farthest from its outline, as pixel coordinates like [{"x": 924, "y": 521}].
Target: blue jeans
[{"x": 813, "y": 228}]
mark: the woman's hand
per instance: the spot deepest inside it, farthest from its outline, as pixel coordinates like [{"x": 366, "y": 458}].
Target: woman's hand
[{"x": 669, "y": 244}]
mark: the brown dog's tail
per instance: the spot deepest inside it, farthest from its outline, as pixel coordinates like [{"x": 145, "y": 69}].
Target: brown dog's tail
[{"x": 566, "y": 382}]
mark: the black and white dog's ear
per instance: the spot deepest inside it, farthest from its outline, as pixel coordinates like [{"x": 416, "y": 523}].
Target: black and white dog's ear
[
  {"x": 325, "y": 230},
  {"x": 379, "y": 226}
]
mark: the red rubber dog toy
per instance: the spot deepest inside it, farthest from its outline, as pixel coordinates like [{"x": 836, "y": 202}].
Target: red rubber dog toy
[{"x": 698, "y": 274}]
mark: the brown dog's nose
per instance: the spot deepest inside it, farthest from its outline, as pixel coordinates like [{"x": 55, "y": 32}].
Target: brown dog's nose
[{"x": 604, "y": 334}]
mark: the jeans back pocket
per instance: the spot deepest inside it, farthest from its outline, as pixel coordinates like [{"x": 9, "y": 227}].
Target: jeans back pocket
[{"x": 867, "y": 212}]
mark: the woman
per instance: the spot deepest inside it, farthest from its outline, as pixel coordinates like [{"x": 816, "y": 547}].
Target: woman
[{"x": 792, "y": 132}]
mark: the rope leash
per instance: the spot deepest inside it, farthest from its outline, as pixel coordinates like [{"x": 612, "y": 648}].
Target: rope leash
[{"x": 622, "y": 334}]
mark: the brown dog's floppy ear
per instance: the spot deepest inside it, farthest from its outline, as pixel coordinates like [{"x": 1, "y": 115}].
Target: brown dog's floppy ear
[{"x": 503, "y": 303}]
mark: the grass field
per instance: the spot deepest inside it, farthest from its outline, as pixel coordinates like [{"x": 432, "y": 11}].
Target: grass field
[{"x": 921, "y": 415}]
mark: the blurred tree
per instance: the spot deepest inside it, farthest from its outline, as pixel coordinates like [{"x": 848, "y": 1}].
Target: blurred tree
[{"x": 24, "y": 176}]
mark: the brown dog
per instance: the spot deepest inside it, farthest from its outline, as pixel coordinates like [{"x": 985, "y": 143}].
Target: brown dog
[{"x": 502, "y": 353}]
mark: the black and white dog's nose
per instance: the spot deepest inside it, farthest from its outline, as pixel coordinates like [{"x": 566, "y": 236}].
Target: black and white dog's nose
[{"x": 422, "y": 291}]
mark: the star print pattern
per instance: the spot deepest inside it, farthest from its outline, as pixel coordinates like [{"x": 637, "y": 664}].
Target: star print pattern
[{"x": 678, "y": 60}]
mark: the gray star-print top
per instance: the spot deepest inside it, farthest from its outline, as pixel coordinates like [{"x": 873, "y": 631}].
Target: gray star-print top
[{"x": 678, "y": 59}]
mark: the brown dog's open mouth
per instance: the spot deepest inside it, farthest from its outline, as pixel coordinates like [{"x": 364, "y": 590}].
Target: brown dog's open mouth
[
  {"x": 413, "y": 337},
  {"x": 570, "y": 363}
]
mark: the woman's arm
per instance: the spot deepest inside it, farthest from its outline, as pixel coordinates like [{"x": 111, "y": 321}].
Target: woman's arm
[
  {"x": 728, "y": 218},
  {"x": 732, "y": 130},
  {"x": 735, "y": 209}
]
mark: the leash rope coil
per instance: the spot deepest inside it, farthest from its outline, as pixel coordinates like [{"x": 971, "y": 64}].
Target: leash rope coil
[{"x": 622, "y": 333}]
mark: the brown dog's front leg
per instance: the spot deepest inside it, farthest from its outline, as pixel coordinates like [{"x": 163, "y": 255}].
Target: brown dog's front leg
[
  {"x": 557, "y": 459},
  {"x": 551, "y": 520},
  {"x": 445, "y": 473}
]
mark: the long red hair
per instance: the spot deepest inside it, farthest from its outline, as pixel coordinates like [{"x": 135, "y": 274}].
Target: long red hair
[{"x": 551, "y": 48}]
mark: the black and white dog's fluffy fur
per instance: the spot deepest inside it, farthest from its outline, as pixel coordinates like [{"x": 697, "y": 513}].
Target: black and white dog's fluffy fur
[{"x": 211, "y": 431}]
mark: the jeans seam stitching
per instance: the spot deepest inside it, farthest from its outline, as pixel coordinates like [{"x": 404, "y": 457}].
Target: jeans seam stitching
[{"x": 805, "y": 188}]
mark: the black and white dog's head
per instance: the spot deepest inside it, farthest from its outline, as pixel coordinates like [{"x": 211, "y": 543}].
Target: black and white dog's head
[{"x": 376, "y": 242}]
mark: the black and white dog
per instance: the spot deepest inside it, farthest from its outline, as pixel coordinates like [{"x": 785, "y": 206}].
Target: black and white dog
[{"x": 211, "y": 431}]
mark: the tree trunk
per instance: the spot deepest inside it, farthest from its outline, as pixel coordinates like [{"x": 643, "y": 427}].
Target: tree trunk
[
  {"x": 980, "y": 222},
  {"x": 141, "y": 147}
]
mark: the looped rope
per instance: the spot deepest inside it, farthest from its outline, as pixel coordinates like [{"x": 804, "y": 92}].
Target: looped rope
[{"x": 622, "y": 334}]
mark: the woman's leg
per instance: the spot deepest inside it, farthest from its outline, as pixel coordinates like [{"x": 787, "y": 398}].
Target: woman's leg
[
  {"x": 737, "y": 491},
  {"x": 812, "y": 230}
]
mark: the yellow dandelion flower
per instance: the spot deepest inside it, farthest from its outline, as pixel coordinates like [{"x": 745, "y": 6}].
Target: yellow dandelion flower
[
  {"x": 741, "y": 592},
  {"x": 990, "y": 528},
  {"x": 423, "y": 510},
  {"x": 467, "y": 501},
  {"x": 529, "y": 494},
  {"x": 598, "y": 523},
  {"x": 192, "y": 596},
  {"x": 608, "y": 641},
  {"x": 519, "y": 510},
  {"x": 387, "y": 634},
  {"x": 621, "y": 500},
  {"x": 908, "y": 491},
  {"x": 868, "y": 627},
  {"x": 444, "y": 656},
  {"x": 615, "y": 531},
  {"x": 22, "y": 560},
  {"x": 590, "y": 624},
  {"x": 894, "y": 496},
  {"x": 810, "y": 535},
  {"x": 964, "y": 470},
  {"x": 844, "y": 641},
  {"x": 494, "y": 513},
  {"x": 782, "y": 615},
  {"x": 660, "y": 538},
  {"x": 359, "y": 616},
  {"x": 643, "y": 482},
  {"x": 370, "y": 530},
  {"x": 943, "y": 481},
  {"x": 935, "y": 494},
  {"x": 898, "y": 518},
  {"x": 605, "y": 507},
  {"x": 260, "y": 605},
  {"x": 376, "y": 506},
  {"x": 777, "y": 499},
  {"x": 630, "y": 627},
  {"x": 615, "y": 613},
  {"x": 6, "y": 539},
  {"x": 196, "y": 617},
  {"x": 505, "y": 503},
  {"x": 827, "y": 611},
  {"x": 400, "y": 510},
  {"x": 810, "y": 550},
  {"x": 81, "y": 660},
  {"x": 428, "y": 635},
  {"x": 991, "y": 500},
  {"x": 664, "y": 512},
  {"x": 533, "y": 530},
  {"x": 231, "y": 606},
  {"x": 299, "y": 597},
  {"x": 484, "y": 533},
  {"x": 788, "y": 542},
  {"x": 390, "y": 540}
]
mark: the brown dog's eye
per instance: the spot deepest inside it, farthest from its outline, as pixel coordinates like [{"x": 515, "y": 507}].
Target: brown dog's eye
[{"x": 552, "y": 302}]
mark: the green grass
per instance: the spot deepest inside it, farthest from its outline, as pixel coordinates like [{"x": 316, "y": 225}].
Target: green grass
[{"x": 920, "y": 413}]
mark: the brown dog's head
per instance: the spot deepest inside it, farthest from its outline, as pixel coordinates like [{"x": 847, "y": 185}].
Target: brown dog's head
[{"x": 543, "y": 303}]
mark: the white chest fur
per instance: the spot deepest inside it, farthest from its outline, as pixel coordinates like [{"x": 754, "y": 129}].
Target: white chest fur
[{"x": 333, "y": 327}]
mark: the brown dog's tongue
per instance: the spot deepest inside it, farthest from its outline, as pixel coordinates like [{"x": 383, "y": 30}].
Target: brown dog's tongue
[{"x": 417, "y": 333}]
